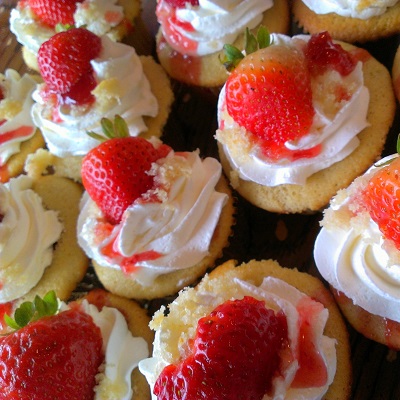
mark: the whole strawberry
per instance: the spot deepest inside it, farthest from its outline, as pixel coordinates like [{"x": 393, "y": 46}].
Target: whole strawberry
[
  {"x": 382, "y": 200},
  {"x": 64, "y": 63},
  {"x": 115, "y": 173},
  {"x": 235, "y": 355},
  {"x": 54, "y": 357},
  {"x": 53, "y": 12},
  {"x": 269, "y": 94}
]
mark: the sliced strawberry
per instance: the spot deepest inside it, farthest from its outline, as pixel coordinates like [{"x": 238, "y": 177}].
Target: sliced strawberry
[
  {"x": 236, "y": 354},
  {"x": 382, "y": 200},
  {"x": 322, "y": 55},
  {"x": 65, "y": 58},
  {"x": 269, "y": 94},
  {"x": 115, "y": 173},
  {"x": 55, "y": 357},
  {"x": 53, "y": 12}
]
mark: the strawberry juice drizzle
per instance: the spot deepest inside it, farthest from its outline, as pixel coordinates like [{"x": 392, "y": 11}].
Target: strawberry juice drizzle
[
  {"x": 5, "y": 308},
  {"x": 21, "y": 132}
]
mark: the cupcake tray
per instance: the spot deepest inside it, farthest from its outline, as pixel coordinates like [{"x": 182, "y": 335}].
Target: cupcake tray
[{"x": 257, "y": 234}]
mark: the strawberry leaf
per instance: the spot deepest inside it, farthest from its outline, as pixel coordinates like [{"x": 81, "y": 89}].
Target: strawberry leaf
[
  {"x": 264, "y": 38},
  {"x": 111, "y": 129},
  {"x": 251, "y": 44},
  {"x": 33, "y": 310}
]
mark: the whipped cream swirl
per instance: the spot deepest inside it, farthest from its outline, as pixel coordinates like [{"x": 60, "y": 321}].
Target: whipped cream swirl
[
  {"x": 99, "y": 16},
  {"x": 278, "y": 296},
  {"x": 122, "y": 352},
  {"x": 27, "y": 234},
  {"x": 177, "y": 228},
  {"x": 16, "y": 125},
  {"x": 335, "y": 127},
  {"x": 122, "y": 88},
  {"x": 205, "y": 28},
  {"x": 355, "y": 259},
  {"x": 350, "y": 8}
]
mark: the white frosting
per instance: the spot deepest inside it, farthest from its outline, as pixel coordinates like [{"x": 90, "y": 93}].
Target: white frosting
[
  {"x": 122, "y": 89},
  {"x": 178, "y": 228},
  {"x": 27, "y": 234},
  {"x": 90, "y": 13},
  {"x": 122, "y": 353},
  {"x": 336, "y": 133},
  {"x": 350, "y": 8},
  {"x": 17, "y": 91},
  {"x": 213, "y": 23},
  {"x": 277, "y": 295},
  {"x": 357, "y": 261}
]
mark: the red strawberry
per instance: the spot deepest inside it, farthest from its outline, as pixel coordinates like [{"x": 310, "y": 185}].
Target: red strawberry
[
  {"x": 236, "y": 353},
  {"x": 53, "y": 12},
  {"x": 181, "y": 3},
  {"x": 65, "y": 58},
  {"x": 322, "y": 54},
  {"x": 382, "y": 200},
  {"x": 115, "y": 173},
  {"x": 269, "y": 94},
  {"x": 55, "y": 357}
]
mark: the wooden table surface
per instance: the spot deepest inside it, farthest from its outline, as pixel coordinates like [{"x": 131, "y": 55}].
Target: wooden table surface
[{"x": 257, "y": 234}]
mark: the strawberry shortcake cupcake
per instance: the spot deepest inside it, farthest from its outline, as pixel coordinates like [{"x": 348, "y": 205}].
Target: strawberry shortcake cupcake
[
  {"x": 38, "y": 241},
  {"x": 277, "y": 331},
  {"x": 358, "y": 252},
  {"x": 18, "y": 134},
  {"x": 192, "y": 34},
  {"x": 351, "y": 21},
  {"x": 100, "y": 78},
  {"x": 152, "y": 221},
  {"x": 300, "y": 119},
  {"x": 100, "y": 335},
  {"x": 34, "y": 22}
]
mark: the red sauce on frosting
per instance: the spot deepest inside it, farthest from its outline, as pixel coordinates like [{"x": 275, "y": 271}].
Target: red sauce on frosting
[
  {"x": 5, "y": 308},
  {"x": 312, "y": 371},
  {"x": 21, "y": 132}
]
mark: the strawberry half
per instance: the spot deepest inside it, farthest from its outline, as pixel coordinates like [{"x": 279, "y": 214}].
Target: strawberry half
[
  {"x": 381, "y": 197},
  {"x": 64, "y": 61},
  {"x": 236, "y": 354},
  {"x": 53, "y": 12},
  {"x": 115, "y": 173},
  {"x": 269, "y": 94},
  {"x": 55, "y": 357}
]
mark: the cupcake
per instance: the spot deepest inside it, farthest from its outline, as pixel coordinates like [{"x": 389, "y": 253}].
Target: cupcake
[
  {"x": 34, "y": 22},
  {"x": 277, "y": 331},
  {"x": 152, "y": 221},
  {"x": 18, "y": 134},
  {"x": 88, "y": 349},
  {"x": 300, "y": 119},
  {"x": 350, "y": 21},
  {"x": 358, "y": 252},
  {"x": 192, "y": 34},
  {"x": 102, "y": 79},
  {"x": 396, "y": 74},
  {"x": 47, "y": 255}
]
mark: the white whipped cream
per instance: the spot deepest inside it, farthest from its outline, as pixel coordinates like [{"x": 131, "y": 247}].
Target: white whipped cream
[
  {"x": 178, "y": 228},
  {"x": 94, "y": 14},
  {"x": 357, "y": 261},
  {"x": 336, "y": 133},
  {"x": 350, "y": 8},
  {"x": 122, "y": 88},
  {"x": 277, "y": 295},
  {"x": 122, "y": 352},
  {"x": 18, "y": 125},
  {"x": 209, "y": 25},
  {"x": 27, "y": 234}
]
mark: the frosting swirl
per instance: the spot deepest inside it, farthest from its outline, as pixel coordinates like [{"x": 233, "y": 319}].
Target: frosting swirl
[
  {"x": 158, "y": 237},
  {"x": 203, "y": 29},
  {"x": 335, "y": 127},
  {"x": 353, "y": 257},
  {"x": 24, "y": 253},
  {"x": 16, "y": 125},
  {"x": 350, "y": 8},
  {"x": 122, "y": 88}
]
